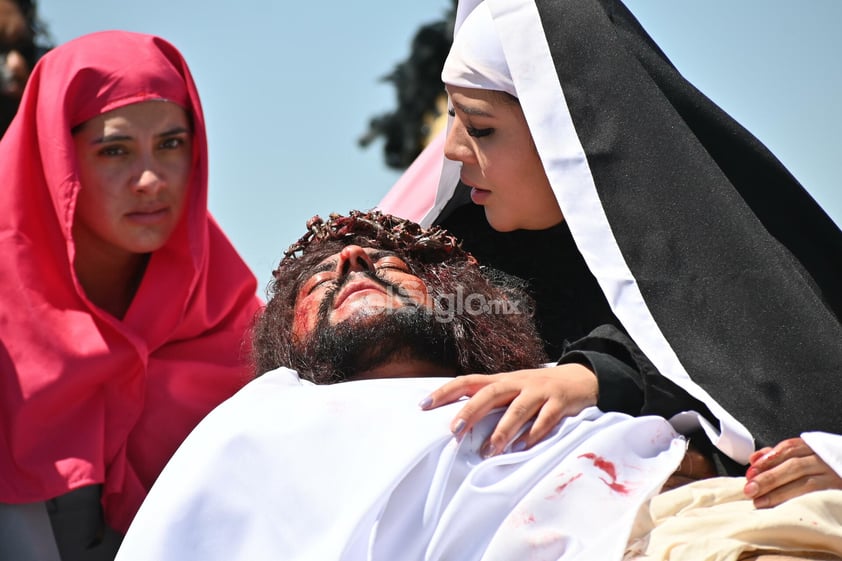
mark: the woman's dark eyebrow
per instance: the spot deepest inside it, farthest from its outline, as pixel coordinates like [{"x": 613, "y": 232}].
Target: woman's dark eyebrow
[
  {"x": 472, "y": 111},
  {"x": 111, "y": 138},
  {"x": 174, "y": 131},
  {"x": 124, "y": 137}
]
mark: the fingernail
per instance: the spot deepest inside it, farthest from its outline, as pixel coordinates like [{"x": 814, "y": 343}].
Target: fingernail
[
  {"x": 751, "y": 473},
  {"x": 487, "y": 450},
  {"x": 751, "y": 489},
  {"x": 426, "y": 402},
  {"x": 458, "y": 426},
  {"x": 519, "y": 446},
  {"x": 770, "y": 454}
]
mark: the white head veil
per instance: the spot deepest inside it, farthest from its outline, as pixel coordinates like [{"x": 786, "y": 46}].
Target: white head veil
[{"x": 476, "y": 58}]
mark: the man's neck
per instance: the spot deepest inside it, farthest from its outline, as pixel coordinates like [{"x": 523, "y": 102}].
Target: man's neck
[{"x": 408, "y": 368}]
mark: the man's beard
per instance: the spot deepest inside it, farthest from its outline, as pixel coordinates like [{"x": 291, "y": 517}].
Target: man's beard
[{"x": 336, "y": 353}]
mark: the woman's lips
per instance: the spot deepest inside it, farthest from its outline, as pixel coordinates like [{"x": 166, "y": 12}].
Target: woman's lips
[
  {"x": 479, "y": 196},
  {"x": 149, "y": 216}
]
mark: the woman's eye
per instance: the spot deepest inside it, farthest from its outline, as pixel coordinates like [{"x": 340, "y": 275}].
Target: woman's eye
[
  {"x": 112, "y": 151},
  {"x": 479, "y": 133},
  {"x": 472, "y": 131},
  {"x": 174, "y": 142}
]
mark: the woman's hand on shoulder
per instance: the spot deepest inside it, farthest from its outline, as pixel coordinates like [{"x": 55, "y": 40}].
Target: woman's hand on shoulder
[
  {"x": 546, "y": 395},
  {"x": 787, "y": 470}
]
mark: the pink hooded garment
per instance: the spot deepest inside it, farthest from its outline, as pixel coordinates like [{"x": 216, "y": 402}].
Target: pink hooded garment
[{"x": 86, "y": 398}]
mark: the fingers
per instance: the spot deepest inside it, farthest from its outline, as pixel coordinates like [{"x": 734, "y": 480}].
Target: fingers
[
  {"x": 794, "y": 488},
  {"x": 788, "y": 470},
  {"x": 783, "y": 451},
  {"x": 760, "y": 486},
  {"x": 543, "y": 394},
  {"x": 545, "y": 408},
  {"x": 483, "y": 401},
  {"x": 519, "y": 412},
  {"x": 550, "y": 414},
  {"x": 768, "y": 458},
  {"x": 759, "y": 454},
  {"x": 457, "y": 388}
]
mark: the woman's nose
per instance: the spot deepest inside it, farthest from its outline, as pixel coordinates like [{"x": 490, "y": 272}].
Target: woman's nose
[
  {"x": 456, "y": 145},
  {"x": 149, "y": 178},
  {"x": 353, "y": 258}
]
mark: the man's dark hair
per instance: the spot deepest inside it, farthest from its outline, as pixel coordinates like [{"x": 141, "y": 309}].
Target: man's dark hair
[{"x": 494, "y": 333}]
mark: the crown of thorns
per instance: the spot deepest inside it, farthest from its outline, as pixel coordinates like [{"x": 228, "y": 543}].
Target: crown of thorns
[{"x": 431, "y": 245}]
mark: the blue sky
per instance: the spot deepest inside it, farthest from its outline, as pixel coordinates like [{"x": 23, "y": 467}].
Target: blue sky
[{"x": 288, "y": 87}]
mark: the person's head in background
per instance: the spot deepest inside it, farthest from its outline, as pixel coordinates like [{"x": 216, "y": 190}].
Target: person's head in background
[
  {"x": 372, "y": 295},
  {"x": 489, "y": 134},
  {"x": 23, "y": 40}
]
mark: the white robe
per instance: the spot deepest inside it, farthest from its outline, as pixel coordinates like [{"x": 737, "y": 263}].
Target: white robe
[{"x": 285, "y": 470}]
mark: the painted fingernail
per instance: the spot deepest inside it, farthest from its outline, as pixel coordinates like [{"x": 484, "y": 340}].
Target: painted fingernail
[
  {"x": 770, "y": 454},
  {"x": 751, "y": 489},
  {"x": 458, "y": 426},
  {"x": 425, "y": 403},
  {"x": 519, "y": 446},
  {"x": 487, "y": 450}
]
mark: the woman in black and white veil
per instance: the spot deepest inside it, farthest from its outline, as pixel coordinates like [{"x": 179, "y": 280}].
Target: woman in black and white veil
[{"x": 676, "y": 224}]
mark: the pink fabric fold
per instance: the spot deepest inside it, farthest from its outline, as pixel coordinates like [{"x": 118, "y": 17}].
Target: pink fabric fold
[{"x": 414, "y": 193}]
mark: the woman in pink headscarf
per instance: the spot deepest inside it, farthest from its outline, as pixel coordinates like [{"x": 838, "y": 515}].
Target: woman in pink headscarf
[{"x": 124, "y": 306}]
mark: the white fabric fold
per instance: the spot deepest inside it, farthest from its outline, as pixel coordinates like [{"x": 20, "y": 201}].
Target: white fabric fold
[
  {"x": 827, "y": 446},
  {"x": 356, "y": 471}
]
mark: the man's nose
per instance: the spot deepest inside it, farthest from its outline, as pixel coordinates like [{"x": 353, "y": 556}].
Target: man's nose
[{"x": 353, "y": 258}]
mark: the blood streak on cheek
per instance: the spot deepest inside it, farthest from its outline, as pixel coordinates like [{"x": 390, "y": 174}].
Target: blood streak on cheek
[
  {"x": 304, "y": 317},
  {"x": 608, "y": 467}
]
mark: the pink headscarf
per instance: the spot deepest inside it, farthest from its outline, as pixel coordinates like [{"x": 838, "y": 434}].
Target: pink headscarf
[{"x": 86, "y": 398}]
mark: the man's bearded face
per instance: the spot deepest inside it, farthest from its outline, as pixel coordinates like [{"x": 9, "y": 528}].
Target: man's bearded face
[{"x": 362, "y": 308}]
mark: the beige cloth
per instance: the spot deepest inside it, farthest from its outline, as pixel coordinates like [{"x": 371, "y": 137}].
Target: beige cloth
[{"x": 711, "y": 520}]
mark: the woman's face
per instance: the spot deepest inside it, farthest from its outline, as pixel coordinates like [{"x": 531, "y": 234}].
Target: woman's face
[
  {"x": 134, "y": 169},
  {"x": 489, "y": 135}
]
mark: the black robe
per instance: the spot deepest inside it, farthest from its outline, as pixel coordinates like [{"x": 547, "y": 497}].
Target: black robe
[
  {"x": 714, "y": 259},
  {"x": 574, "y": 319}
]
